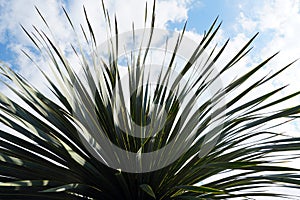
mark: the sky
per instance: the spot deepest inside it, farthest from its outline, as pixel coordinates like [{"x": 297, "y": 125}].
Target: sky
[{"x": 277, "y": 21}]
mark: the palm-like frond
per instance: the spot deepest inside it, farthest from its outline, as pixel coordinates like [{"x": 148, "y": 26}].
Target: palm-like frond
[{"x": 59, "y": 160}]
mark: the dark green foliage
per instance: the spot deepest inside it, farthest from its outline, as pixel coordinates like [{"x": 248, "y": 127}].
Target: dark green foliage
[{"x": 71, "y": 170}]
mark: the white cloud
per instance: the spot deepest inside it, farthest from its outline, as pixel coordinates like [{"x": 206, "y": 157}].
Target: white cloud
[
  {"x": 14, "y": 13},
  {"x": 279, "y": 24},
  {"x": 246, "y": 23}
]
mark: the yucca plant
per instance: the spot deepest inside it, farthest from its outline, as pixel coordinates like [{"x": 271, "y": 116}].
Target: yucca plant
[{"x": 66, "y": 150}]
